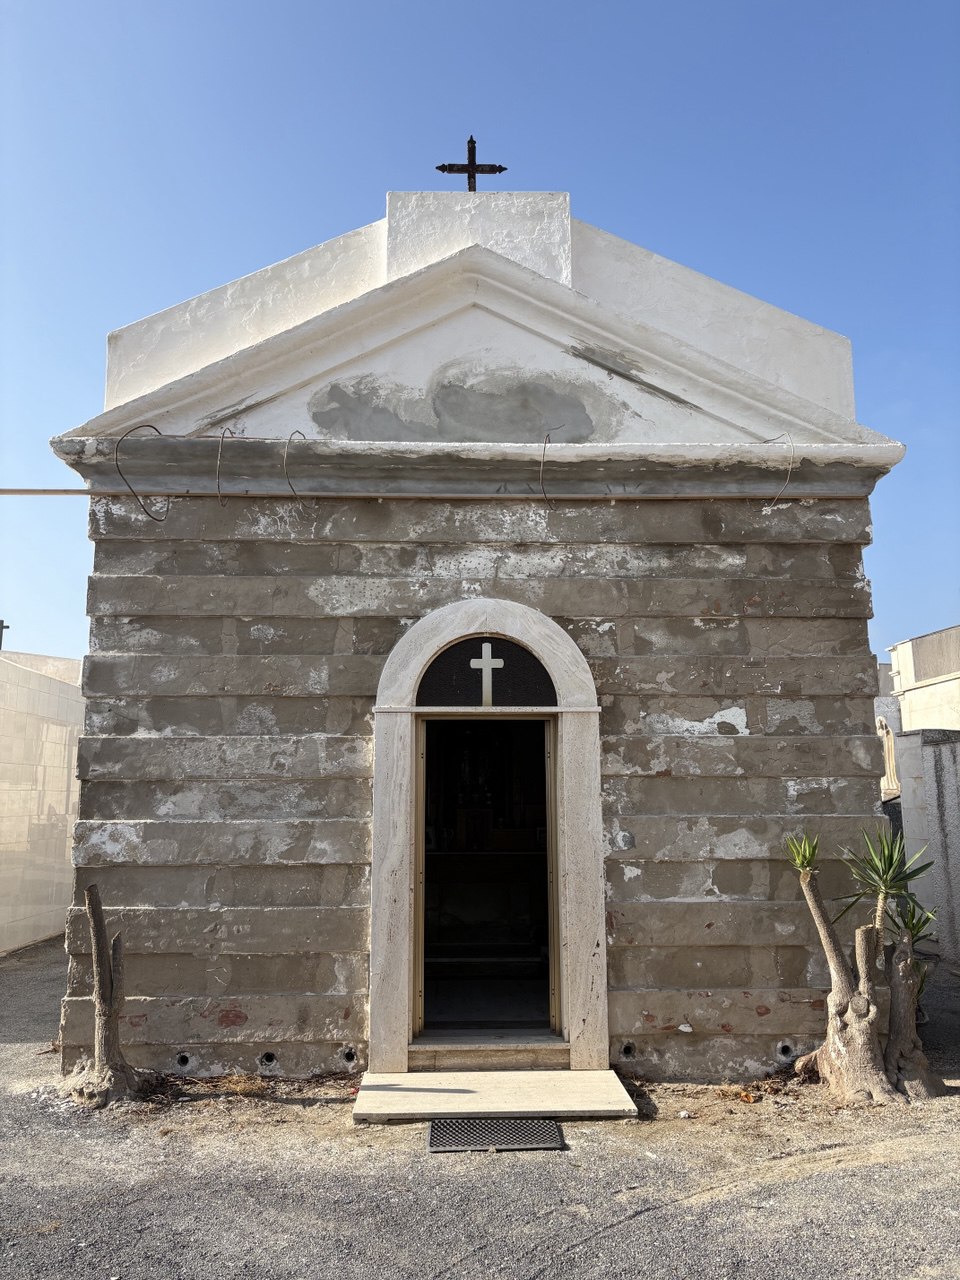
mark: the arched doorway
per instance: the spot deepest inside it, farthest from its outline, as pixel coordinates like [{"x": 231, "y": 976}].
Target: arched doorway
[{"x": 424, "y": 665}]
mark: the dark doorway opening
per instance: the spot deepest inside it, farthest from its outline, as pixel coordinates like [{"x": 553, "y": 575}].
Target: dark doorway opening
[{"x": 486, "y": 888}]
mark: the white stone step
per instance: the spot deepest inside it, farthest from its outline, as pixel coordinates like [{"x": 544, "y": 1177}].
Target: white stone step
[{"x": 435, "y": 1095}]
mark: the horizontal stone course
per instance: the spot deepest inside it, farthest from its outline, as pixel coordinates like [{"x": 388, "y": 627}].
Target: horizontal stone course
[
  {"x": 637, "y": 967},
  {"x": 614, "y": 559},
  {"x": 203, "y": 887},
  {"x": 188, "y": 1019},
  {"x": 175, "y": 974},
  {"x": 673, "y": 1055},
  {"x": 307, "y": 756},
  {"x": 741, "y": 756},
  {"x": 736, "y": 677},
  {"x": 647, "y": 715},
  {"x": 110, "y": 675},
  {"x": 800, "y": 798},
  {"x": 292, "y": 1060},
  {"x": 229, "y": 930},
  {"x": 271, "y": 676},
  {"x": 669, "y": 924},
  {"x": 598, "y": 637},
  {"x": 712, "y": 879},
  {"x": 686, "y": 838},
  {"x": 293, "y": 596},
  {"x": 186, "y": 716},
  {"x": 224, "y": 842},
  {"x": 718, "y": 1010},
  {"x": 212, "y": 801},
  {"x": 820, "y": 520}
]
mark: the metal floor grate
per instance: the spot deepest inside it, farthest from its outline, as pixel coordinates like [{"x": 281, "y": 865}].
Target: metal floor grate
[{"x": 495, "y": 1133}]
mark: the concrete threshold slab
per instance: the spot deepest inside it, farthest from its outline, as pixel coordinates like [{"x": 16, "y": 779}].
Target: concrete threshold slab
[{"x": 434, "y": 1095}]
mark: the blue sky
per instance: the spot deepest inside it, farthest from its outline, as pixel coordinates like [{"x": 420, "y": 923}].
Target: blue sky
[{"x": 805, "y": 153}]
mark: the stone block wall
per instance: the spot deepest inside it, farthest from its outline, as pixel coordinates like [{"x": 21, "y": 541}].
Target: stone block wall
[{"x": 227, "y": 771}]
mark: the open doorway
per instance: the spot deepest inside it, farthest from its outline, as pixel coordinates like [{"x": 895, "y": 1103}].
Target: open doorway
[{"x": 486, "y": 894}]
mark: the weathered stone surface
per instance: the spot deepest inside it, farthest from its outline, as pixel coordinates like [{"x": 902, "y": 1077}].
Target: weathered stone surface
[
  {"x": 401, "y": 559},
  {"x": 735, "y": 677},
  {"x": 308, "y": 756},
  {"x": 319, "y": 885},
  {"x": 488, "y": 560},
  {"x": 230, "y": 930},
  {"x": 257, "y": 676},
  {"x": 684, "y": 838},
  {"x": 196, "y": 1019},
  {"x": 177, "y": 974},
  {"x": 636, "y": 968},
  {"x": 331, "y": 519},
  {"x": 290, "y": 1060},
  {"x": 710, "y": 1059},
  {"x": 718, "y": 1010},
  {"x": 223, "y": 635},
  {"x": 293, "y": 596},
  {"x": 650, "y": 715},
  {"x": 700, "y": 924},
  {"x": 226, "y": 842},
  {"x": 731, "y": 756},
  {"x": 644, "y": 880},
  {"x": 687, "y": 797},
  {"x": 806, "y": 637},
  {"x": 213, "y": 801},
  {"x": 224, "y": 713}
]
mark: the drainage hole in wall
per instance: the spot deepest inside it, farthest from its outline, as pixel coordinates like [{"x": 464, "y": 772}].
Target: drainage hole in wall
[
  {"x": 349, "y": 1055},
  {"x": 268, "y": 1059},
  {"x": 786, "y": 1051},
  {"x": 183, "y": 1059},
  {"x": 628, "y": 1049}
]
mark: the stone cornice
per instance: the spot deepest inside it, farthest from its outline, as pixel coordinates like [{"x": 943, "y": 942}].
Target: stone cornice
[{"x": 189, "y": 466}]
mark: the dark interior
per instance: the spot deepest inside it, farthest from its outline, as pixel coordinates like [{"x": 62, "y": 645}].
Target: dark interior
[{"x": 486, "y": 909}]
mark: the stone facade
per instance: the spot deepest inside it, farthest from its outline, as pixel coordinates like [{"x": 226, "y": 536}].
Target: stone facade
[
  {"x": 227, "y": 777},
  {"x": 237, "y": 645}
]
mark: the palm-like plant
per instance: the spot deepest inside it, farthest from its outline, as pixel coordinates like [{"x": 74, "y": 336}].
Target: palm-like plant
[
  {"x": 908, "y": 914},
  {"x": 882, "y": 872},
  {"x": 802, "y": 851}
]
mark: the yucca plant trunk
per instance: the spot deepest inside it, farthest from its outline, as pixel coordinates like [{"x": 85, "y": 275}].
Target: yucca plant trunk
[
  {"x": 906, "y": 1063},
  {"x": 109, "y": 1077},
  {"x": 849, "y": 1061}
]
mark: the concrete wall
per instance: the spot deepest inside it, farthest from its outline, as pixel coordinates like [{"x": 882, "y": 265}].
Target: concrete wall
[
  {"x": 227, "y": 774},
  {"x": 40, "y": 722},
  {"x": 928, "y": 761}
]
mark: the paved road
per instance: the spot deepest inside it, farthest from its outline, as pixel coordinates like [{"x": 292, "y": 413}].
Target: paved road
[{"x": 270, "y": 1189}]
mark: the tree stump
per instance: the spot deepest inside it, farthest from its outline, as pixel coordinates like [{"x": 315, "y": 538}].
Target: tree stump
[
  {"x": 849, "y": 1061},
  {"x": 109, "y": 1078},
  {"x": 906, "y": 1063}
]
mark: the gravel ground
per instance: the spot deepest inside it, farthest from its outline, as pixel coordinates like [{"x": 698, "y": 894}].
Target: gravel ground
[{"x": 275, "y": 1181}]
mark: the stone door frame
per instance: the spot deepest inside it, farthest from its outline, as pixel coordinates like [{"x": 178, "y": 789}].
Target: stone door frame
[{"x": 579, "y": 838}]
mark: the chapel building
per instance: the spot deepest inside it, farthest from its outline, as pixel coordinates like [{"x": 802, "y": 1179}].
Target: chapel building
[{"x": 482, "y": 607}]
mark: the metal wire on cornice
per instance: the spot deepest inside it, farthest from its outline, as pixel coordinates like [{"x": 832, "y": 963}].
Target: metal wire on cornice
[
  {"x": 143, "y": 426},
  {"x": 226, "y": 431},
  {"x": 793, "y": 454},
  {"x": 286, "y": 473},
  {"x": 543, "y": 458}
]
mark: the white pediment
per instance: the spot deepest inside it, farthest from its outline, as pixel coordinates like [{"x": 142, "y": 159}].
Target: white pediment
[{"x": 478, "y": 348}]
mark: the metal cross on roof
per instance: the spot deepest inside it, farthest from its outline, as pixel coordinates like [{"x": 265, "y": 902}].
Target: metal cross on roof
[{"x": 471, "y": 168}]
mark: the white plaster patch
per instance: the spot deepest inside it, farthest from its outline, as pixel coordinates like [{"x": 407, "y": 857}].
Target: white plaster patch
[{"x": 662, "y": 722}]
